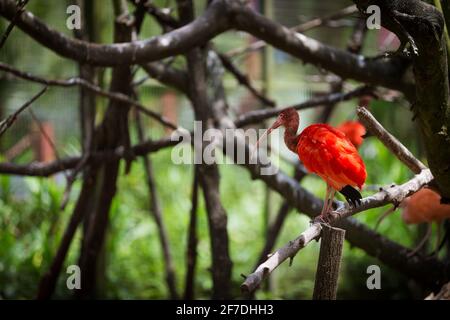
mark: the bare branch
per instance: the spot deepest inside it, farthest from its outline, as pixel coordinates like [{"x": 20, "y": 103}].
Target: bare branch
[
  {"x": 289, "y": 250},
  {"x": 301, "y": 28},
  {"x": 244, "y": 80},
  {"x": 20, "y": 10},
  {"x": 8, "y": 122},
  {"x": 76, "y": 81},
  {"x": 395, "y": 146},
  {"x": 220, "y": 16},
  {"x": 172, "y": 77},
  {"x": 41, "y": 169},
  {"x": 257, "y": 116}
]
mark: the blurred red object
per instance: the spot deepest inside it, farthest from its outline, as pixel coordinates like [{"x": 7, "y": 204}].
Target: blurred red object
[
  {"x": 387, "y": 41},
  {"x": 43, "y": 136},
  {"x": 354, "y": 131},
  {"x": 424, "y": 207}
]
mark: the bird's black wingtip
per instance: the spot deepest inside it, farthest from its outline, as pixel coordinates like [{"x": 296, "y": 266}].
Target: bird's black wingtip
[{"x": 352, "y": 195}]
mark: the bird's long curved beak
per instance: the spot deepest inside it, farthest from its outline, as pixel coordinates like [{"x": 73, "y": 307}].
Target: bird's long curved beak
[{"x": 274, "y": 126}]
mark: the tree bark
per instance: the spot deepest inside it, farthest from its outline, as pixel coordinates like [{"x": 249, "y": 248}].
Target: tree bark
[{"x": 328, "y": 267}]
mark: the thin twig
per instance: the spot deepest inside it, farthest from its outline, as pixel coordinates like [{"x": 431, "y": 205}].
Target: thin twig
[
  {"x": 257, "y": 116},
  {"x": 20, "y": 10},
  {"x": 244, "y": 80},
  {"x": 76, "y": 81},
  {"x": 8, "y": 122}
]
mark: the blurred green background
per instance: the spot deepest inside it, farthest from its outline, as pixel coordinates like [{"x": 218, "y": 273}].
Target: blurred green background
[{"x": 31, "y": 223}]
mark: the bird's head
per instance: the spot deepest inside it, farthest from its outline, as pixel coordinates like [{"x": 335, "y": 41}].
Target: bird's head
[{"x": 287, "y": 118}]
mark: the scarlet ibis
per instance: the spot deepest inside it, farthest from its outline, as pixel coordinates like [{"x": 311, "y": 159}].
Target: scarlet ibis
[
  {"x": 326, "y": 152},
  {"x": 354, "y": 131}
]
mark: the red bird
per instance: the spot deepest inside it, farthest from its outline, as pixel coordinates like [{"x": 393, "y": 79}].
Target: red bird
[
  {"x": 354, "y": 131},
  {"x": 326, "y": 152},
  {"x": 424, "y": 206}
]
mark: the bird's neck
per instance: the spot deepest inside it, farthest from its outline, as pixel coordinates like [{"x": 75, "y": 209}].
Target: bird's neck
[{"x": 291, "y": 137}]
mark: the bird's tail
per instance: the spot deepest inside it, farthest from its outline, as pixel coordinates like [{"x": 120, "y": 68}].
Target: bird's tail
[{"x": 352, "y": 195}]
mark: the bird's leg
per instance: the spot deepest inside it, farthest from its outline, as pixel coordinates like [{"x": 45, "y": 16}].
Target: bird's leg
[
  {"x": 330, "y": 200},
  {"x": 422, "y": 242},
  {"x": 327, "y": 203}
]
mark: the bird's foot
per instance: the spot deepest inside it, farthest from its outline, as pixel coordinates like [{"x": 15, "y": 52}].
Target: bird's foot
[{"x": 323, "y": 218}]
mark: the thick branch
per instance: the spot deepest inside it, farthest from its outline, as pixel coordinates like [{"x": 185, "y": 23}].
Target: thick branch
[{"x": 220, "y": 16}]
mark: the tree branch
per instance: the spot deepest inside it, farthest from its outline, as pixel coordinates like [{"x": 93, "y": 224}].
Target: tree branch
[
  {"x": 76, "y": 81},
  {"x": 244, "y": 80},
  {"x": 220, "y": 16},
  {"x": 8, "y": 122},
  {"x": 20, "y": 10},
  {"x": 41, "y": 169},
  {"x": 257, "y": 116},
  {"x": 398, "y": 149},
  {"x": 301, "y": 28},
  {"x": 252, "y": 281}
]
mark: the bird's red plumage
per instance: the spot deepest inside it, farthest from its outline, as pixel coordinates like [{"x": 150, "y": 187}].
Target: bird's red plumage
[{"x": 328, "y": 153}]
